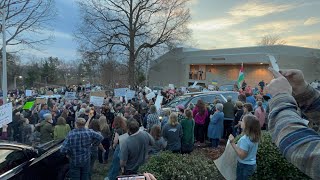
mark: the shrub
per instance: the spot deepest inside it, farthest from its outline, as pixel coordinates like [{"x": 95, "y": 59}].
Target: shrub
[
  {"x": 271, "y": 164},
  {"x": 169, "y": 166}
]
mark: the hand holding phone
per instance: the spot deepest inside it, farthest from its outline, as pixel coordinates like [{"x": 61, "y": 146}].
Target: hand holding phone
[{"x": 274, "y": 63}]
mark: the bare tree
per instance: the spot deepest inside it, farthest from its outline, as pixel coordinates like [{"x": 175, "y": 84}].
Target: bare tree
[
  {"x": 28, "y": 21},
  {"x": 130, "y": 26},
  {"x": 269, "y": 40}
]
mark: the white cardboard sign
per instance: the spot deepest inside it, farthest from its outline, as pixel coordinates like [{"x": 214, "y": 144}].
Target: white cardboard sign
[
  {"x": 5, "y": 114},
  {"x": 150, "y": 95},
  {"x": 120, "y": 92},
  {"x": 28, "y": 93},
  {"x": 194, "y": 84},
  {"x": 96, "y": 100},
  {"x": 171, "y": 86},
  {"x": 70, "y": 95},
  {"x": 158, "y": 102}
]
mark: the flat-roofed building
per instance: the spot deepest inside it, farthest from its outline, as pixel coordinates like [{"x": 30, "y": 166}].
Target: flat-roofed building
[{"x": 182, "y": 67}]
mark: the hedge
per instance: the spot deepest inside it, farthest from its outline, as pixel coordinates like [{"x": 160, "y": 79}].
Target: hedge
[{"x": 169, "y": 166}]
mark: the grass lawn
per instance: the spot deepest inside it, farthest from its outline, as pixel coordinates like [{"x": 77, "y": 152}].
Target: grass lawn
[{"x": 100, "y": 171}]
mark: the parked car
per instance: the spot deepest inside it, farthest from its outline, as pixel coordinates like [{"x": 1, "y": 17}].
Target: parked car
[
  {"x": 19, "y": 161},
  {"x": 207, "y": 97},
  {"x": 226, "y": 87}
]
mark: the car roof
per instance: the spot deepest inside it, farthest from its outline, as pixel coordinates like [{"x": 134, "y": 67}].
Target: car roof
[
  {"x": 10, "y": 144},
  {"x": 207, "y": 92}
]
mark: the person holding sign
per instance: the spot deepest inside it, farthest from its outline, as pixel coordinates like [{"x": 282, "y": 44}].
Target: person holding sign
[
  {"x": 296, "y": 141},
  {"x": 247, "y": 147}
]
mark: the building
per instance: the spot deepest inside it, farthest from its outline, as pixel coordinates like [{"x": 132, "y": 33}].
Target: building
[{"x": 182, "y": 67}]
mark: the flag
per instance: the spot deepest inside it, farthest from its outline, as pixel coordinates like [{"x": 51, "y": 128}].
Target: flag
[
  {"x": 214, "y": 82},
  {"x": 241, "y": 76}
]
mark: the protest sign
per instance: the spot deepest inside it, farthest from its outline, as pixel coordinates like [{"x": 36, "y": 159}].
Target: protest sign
[
  {"x": 120, "y": 92},
  {"x": 28, "y": 93},
  {"x": 227, "y": 163},
  {"x": 41, "y": 101},
  {"x": 130, "y": 94},
  {"x": 28, "y": 105},
  {"x": 171, "y": 86},
  {"x": 5, "y": 114},
  {"x": 194, "y": 84},
  {"x": 158, "y": 102},
  {"x": 70, "y": 95},
  {"x": 150, "y": 95},
  {"x": 98, "y": 93},
  {"x": 96, "y": 100}
]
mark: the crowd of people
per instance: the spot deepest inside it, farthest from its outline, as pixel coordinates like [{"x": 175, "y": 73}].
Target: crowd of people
[{"x": 135, "y": 129}]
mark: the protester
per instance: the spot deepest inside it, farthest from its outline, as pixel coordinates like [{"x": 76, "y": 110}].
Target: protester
[
  {"x": 165, "y": 118},
  {"x": 200, "y": 113},
  {"x": 228, "y": 111},
  {"x": 215, "y": 129},
  {"x": 247, "y": 147},
  {"x": 61, "y": 130},
  {"x": 134, "y": 151},
  {"x": 187, "y": 124},
  {"x": 250, "y": 99},
  {"x": 152, "y": 118},
  {"x": 160, "y": 144},
  {"x": 181, "y": 115},
  {"x": 44, "y": 110},
  {"x": 26, "y": 132},
  {"x": 120, "y": 127},
  {"x": 79, "y": 153},
  {"x": 237, "y": 118},
  {"x": 260, "y": 113},
  {"x": 46, "y": 129},
  {"x": 172, "y": 133},
  {"x": 296, "y": 141}
]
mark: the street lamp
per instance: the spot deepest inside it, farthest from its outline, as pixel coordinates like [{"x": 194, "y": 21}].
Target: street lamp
[{"x": 15, "y": 81}]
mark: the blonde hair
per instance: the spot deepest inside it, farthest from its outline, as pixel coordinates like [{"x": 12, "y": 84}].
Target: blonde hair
[{"x": 173, "y": 119}]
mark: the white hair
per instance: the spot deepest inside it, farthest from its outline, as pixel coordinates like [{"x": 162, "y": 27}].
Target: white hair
[
  {"x": 219, "y": 107},
  {"x": 47, "y": 116}
]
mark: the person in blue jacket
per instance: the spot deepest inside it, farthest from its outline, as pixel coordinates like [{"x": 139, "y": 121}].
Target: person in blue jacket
[{"x": 215, "y": 129}]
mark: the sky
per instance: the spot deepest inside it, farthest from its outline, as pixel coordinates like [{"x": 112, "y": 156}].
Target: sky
[{"x": 215, "y": 24}]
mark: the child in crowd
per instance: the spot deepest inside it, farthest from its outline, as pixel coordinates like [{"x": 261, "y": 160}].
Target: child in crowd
[{"x": 247, "y": 147}]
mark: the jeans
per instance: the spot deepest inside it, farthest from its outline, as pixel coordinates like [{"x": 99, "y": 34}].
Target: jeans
[
  {"x": 244, "y": 171},
  {"x": 115, "y": 166},
  {"x": 215, "y": 143},
  {"x": 79, "y": 172}
]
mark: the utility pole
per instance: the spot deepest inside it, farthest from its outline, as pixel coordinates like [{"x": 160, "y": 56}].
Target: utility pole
[{"x": 4, "y": 57}]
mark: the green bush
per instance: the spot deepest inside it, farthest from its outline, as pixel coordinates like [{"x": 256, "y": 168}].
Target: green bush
[
  {"x": 271, "y": 164},
  {"x": 169, "y": 166}
]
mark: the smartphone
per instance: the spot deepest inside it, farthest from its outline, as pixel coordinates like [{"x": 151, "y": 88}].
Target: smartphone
[
  {"x": 131, "y": 177},
  {"x": 274, "y": 63}
]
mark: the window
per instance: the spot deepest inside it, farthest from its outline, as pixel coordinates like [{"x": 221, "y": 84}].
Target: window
[
  {"x": 195, "y": 100},
  {"x": 210, "y": 98},
  {"x": 10, "y": 159}
]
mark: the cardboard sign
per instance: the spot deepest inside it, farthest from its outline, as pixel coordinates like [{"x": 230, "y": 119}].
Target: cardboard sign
[
  {"x": 49, "y": 93},
  {"x": 150, "y": 95},
  {"x": 227, "y": 163},
  {"x": 41, "y": 101},
  {"x": 130, "y": 94},
  {"x": 29, "y": 93},
  {"x": 171, "y": 86},
  {"x": 70, "y": 95},
  {"x": 194, "y": 84},
  {"x": 28, "y": 105},
  {"x": 96, "y": 100},
  {"x": 120, "y": 92},
  {"x": 158, "y": 102},
  {"x": 98, "y": 93},
  {"x": 5, "y": 114}
]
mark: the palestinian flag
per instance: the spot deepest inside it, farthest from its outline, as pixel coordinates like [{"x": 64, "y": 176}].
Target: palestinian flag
[{"x": 241, "y": 76}]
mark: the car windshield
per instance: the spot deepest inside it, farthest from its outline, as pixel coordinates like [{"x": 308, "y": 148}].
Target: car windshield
[
  {"x": 234, "y": 96},
  {"x": 179, "y": 100}
]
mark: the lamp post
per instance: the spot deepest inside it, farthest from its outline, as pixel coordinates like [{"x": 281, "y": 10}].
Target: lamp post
[
  {"x": 4, "y": 57},
  {"x": 15, "y": 81}
]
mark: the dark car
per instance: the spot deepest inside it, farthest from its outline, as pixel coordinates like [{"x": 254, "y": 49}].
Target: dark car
[
  {"x": 207, "y": 97},
  {"x": 20, "y": 161}
]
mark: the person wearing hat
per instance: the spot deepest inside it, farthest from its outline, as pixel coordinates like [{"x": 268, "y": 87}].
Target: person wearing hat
[{"x": 79, "y": 153}]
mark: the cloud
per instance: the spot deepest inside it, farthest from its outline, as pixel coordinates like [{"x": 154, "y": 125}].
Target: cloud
[
  {"x": 311, "y": 21},
  {"x": 257, "y": 9},
  {"x": 277, "y": 27},
  {"x": 215, "y": 24}
]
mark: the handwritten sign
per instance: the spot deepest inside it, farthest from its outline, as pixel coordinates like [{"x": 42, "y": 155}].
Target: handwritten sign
[
  {"x": 150, "y": 95},
  {"x": 28, "y": 93},
  {"x": 96, "y": 100},
  {"x": 120, "y": 92},
  {"x": 5, "y": 114},
  {"x": 130, "y": 94},
  {"x": 70, "y": 95},
  {"x": 158, "y": 102}
]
